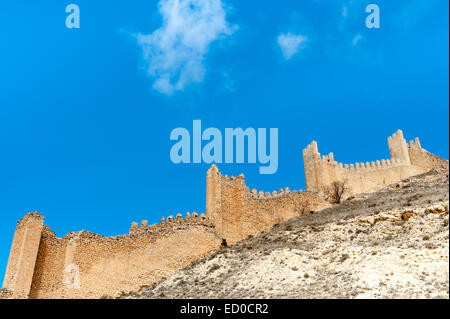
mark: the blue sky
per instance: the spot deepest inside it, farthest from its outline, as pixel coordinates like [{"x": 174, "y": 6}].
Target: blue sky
[{"x": 85, "y": 114}]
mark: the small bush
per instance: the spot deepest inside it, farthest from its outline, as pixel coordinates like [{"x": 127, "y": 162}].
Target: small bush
[{"x": 335, "y": 192}]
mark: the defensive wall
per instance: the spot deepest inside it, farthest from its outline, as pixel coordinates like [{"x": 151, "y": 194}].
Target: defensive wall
[
  {"x": 362, "y": 177},
  {"x": 87, "y": 265},
  {"x": 236, "y": 212}
]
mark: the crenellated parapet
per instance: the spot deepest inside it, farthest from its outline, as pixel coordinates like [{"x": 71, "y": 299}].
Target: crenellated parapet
[
  {"x": 83, "y": 264},
  {"x": 260, "y": 195},
  {"x": 88, "y": 265},
  {"x": 406, "y": 160},
  {"x": 398, "y": 147},
  {"x": 311, "y": 151},
  {"x": 237, "y": 212},
  {"x": 377, "y": 164},
  {"x": 415, "y": 144},
  {"x": 190, "y": 218}
]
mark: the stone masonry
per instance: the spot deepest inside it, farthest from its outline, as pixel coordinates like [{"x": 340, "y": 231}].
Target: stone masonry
[
  {"x": 87, "y": 265},
  {"x": 406, "y": 160}
]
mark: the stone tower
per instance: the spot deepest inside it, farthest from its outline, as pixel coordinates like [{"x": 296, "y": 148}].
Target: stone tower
[{"x": 24, "y": 251}]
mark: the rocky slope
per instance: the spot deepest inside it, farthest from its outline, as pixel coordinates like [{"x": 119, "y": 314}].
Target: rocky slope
[{"x": 393, "y": 243}]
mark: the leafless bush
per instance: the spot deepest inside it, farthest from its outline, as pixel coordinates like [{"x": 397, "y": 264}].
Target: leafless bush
[
  {"x": 335, "y": 192},
  {"x": 302, "y": 208}
]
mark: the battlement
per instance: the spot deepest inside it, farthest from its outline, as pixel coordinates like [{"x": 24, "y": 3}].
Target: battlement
[
  {"x": 260, "y": 195},
  {"x": 311, "y": 150},
  {"x": 87, "y": 265},
  {"x": 415, "y": 144},
  {"x": 322, "y": 170},
  {"x": 194, "y": 218},
  {"x": 398, "y": 147},
  {"x": 238, "y": 212},
  {"x": 377, "y": 164}
]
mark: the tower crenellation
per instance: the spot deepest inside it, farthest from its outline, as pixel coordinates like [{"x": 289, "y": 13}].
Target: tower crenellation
[{"x": 406, "y": 160}]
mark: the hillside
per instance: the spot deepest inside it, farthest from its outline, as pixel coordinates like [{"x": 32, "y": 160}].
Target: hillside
[{"x": 393, "y": 243}]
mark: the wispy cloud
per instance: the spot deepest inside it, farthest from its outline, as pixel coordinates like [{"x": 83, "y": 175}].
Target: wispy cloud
[
  {"x": 290, "y": 44},
  {"x": 174, "y": 54}
]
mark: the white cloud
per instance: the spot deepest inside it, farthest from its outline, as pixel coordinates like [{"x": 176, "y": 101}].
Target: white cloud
[
  {"x": 174, "y": 53},
  {"x": 290, "y": 44}
]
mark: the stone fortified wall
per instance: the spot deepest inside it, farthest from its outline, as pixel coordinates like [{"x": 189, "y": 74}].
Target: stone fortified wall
[
  {"x": 406, "y": 160},
  {"x": 237, "y": 212},
  {"x": 87, "y": 265}
]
